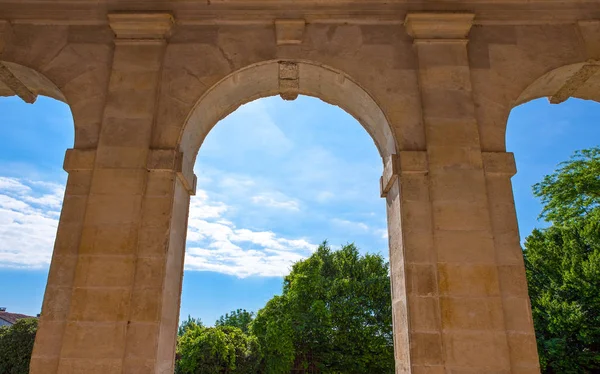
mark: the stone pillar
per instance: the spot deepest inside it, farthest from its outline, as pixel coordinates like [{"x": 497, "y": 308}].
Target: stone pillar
[
  {"x": 499, "y": 167},
  {"x": 415, "y": 301},
  {"x": 112, "y": 300},
  {"x": 454, "y": 275}
]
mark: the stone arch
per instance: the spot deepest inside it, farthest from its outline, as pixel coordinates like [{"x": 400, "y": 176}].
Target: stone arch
[
  {"x": 580, "y": 80},
  {"x": 265, "y": 79},
  {"x": 16, "y": 79}
]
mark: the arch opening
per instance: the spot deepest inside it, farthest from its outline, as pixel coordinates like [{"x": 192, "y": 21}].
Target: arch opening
[
  {"x": 543, "y": 137},
  {"x": 286, "y": 181},
  {"x": 263, "y": 80}
]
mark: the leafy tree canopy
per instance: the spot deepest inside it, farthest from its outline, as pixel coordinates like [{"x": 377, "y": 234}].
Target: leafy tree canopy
[
  {"x": 563, "y": 267},
  {"x": 335, "y": 312},
  {"x": 239, "y": 318},
  {"x": 188, "y": 324},
  {"x": 16, "y": 345},
  {"x": 217, "y": 350}
]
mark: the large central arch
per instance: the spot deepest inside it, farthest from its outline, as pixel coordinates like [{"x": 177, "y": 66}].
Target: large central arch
[{"x": 286, "y": 78}]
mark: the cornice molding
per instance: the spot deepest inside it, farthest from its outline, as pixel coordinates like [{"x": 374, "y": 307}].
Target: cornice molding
[
  {"x": 433, "y": 26},
  {"x": 141, "y": 26}
]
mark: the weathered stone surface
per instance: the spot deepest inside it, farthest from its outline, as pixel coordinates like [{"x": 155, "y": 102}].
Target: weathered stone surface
[{"x": 432, "y": 85}]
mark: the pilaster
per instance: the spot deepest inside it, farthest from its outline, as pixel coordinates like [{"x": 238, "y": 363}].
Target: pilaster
[
  {"x": 499, "y": 167},
  {"x": 465, "y": 274},
  {"x": 120, "y": 307}
]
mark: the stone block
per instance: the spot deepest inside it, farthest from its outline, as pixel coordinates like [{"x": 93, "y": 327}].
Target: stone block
[
  {"x": 140, "y": 25},
  {"x": 153, "y": 242},
  {"x": 101, "y": 209},
  {"x": 121, "y": 156},
  {"x": 57, "y": 300},
  {"x": 119, "y": 181},
  {"x": 458, "y": 132},
  {"x": 424, "y": 313},
  {"x": 157, "y": 211},
  {"x": 414, "y": 187},
  {"x": 421, "y": 279},
  {"x": 79, "y": 159},
  {"x": 105, "y": 271},
  {"x": 289, "y": 31},
  {"x": 437, "y": 25},
  {"x": 461, "y": 215},
  {"x": 512, "y": 280},
  {"x": 468, "y": 280},
  {"x": 499, "y": 163},
  {"x": 448, "y": 105},
  {"x": 100, "y": 305},
  {"x": 426, "y": 348},
  {"x": 517, "y": 314},
  {"x": 418, "y": 247},
  {"x": 62, "y": 270},
  {"x": 478, "y": 313},
  {"x": 466, "y": 185},
  {"x": 142, "y": 340},
  {"x": 125, "y": 130},
  {"x": 523, "y": 350},
  {"x": 49, "y": 338},
  {"x": 150, "y": 272},
  {"x": 94, "y": 341},
  {"x": 445, "y": 157},
  {"x": 146, "y": 305},
  {"x": 487, "y": 351},
  {"x": 476, "y": 247}
]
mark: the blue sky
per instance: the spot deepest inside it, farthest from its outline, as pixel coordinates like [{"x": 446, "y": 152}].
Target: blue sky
[{"x": 275, "y": 179}]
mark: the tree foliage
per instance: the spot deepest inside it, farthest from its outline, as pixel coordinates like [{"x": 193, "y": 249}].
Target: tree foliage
[
  {"x": 563, "y": 267},
  {"x": 188, "y": 324},
  {"x": 335, "y": 315},
  {"x": 16, "y": 345},
  {"x": 217, "y": 350},
  {"x": 239, "y": 318}
]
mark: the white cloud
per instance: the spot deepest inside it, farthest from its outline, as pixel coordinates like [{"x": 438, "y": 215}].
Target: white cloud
[
  {"x": 29, "y": 214},
  {"x": 383, "y": 233},
  {"x": 216, "y": 244},
  {"x": 350, "y": 225},
  {"x": 276, "y": 200}
]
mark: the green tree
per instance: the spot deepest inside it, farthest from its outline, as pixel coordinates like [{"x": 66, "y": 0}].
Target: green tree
[
  {"x": 189, "y": 324},
  {"x": 217, "y": 350},
  {"x": 273, "y": 328},
  {"x": 335, "y": 312},
  {"x": 563, "y": 267},
  {"x": 16, "y": 345},
  {"x": 239, "y": 318}
]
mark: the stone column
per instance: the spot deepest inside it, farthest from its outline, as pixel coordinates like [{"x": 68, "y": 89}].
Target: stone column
[
  {"x": 59, "y": 288},
  {"x": 112, "y": 299},
  {"x": 415, "y": 297},
  {"x": 464, "y": 327},
  {"x": 499, "y": 167}
]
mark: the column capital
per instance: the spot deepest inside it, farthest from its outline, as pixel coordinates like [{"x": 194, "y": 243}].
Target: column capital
[
  {"x": 141, "y": 26},
  {"x": 405, "y": 162},
  {"x": 172, "y": 160},
  {"x": 499, "y": 164},
  {"x": 439, "y": 27}
]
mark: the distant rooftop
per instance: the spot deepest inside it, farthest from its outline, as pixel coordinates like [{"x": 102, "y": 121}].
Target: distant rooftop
[{"x": 11, "y": 318}]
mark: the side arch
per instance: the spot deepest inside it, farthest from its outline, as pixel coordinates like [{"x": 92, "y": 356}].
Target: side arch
[
  {"x": 580, "y": 80},
  {"x": 16, "y": 79},
  {"x": 262, "y": 80}
]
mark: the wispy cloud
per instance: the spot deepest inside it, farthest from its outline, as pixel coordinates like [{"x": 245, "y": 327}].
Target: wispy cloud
[
  {"x": 276, "y": 200},
  {"x": 29, "y": 214},
  {"x": 216, "y": 244}
]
